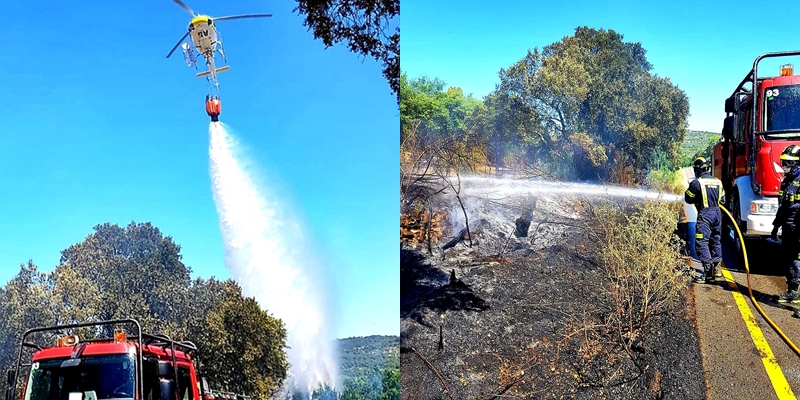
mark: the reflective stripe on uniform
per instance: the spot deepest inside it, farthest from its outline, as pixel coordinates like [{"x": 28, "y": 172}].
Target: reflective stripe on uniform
[
  {"x": 698, "y": 235},
  {"x": 705, "y": 184}
]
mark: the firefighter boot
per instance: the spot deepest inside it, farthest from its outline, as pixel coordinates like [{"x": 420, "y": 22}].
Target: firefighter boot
[
  {"x": 699, "y": 278},
  {"x": 707, "y": 276},
  {"x": 708, "y": 268},
  {"x": 790, "y": 295},
  {"x": 717, "y": 270}
]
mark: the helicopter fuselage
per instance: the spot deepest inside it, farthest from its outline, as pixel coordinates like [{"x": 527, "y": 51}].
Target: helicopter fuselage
[
  {"x": 204, "y": 35},
  {"x": 206, "y": 41}
]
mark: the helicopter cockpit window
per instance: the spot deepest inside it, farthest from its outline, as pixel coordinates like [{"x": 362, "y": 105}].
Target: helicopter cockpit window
[{"x": 782, "y": 107}]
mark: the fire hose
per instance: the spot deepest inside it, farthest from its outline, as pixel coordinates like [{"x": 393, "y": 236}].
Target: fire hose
[{"x": 750, "y": 290}]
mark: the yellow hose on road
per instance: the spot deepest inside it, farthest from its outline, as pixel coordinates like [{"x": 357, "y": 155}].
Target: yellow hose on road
[{"x": 750, "y": 290}]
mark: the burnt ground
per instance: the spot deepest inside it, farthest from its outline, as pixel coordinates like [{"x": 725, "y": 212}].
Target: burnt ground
[{"x": 515, "y": 316}]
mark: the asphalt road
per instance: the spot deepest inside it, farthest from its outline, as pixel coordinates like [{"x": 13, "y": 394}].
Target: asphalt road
[{"x": 743, "y": 355}]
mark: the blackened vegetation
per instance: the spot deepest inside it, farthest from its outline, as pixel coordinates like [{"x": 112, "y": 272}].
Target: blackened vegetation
[
  {"x": 423, "y": 287},
  {"x": 523, "y": 223},
  {"x": 557, "y": 317}
]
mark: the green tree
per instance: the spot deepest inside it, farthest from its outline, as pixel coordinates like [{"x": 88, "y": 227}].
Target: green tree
[
  {"x": 33, "y": 298},
  {"x": 421, "y": 106},
  {"x": 241, "y": 348},
  {"x": 23, "y": 305},
  {"x": 73, "y": 298},
  {"x": 363, "y": 386},
  {"x": 365, "y": 25},
  {"x": 138, "y": 271},
  {"x": 391, "y": 384},
  {"x": 324, "y": 393},
  {"x": 590, "y": 102}
]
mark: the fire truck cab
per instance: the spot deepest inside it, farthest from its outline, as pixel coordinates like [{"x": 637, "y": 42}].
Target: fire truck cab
[
  {"x": 128, "y": 365},
  {"x": 763, "y": 117}
]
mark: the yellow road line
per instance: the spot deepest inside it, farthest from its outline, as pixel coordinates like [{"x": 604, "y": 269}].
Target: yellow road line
[{"x": 774, "y": 371}]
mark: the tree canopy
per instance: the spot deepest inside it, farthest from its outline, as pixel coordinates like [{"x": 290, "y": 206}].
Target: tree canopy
[
  {"x": 586, "y": 107},
  {"x": 136, "y": 272}
]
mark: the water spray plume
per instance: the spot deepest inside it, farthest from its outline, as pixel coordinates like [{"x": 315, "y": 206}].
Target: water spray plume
[
  {"x": 265, "y": 252},
  {"x": 506, "y": 187},
  {"x": 481, "y": 195}
]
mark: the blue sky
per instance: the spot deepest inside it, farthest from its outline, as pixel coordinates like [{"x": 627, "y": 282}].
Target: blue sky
[
  {"x": 705, "y": 47},
  {"x": 98, "y": 126}
]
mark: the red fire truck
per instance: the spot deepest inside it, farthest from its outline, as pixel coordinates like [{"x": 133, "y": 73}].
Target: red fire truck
[
  {"x": 763, "y": 117},
  {"x": 128, "y": 365}
]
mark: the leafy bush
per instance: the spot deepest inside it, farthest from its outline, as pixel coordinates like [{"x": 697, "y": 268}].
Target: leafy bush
[{"x": 666, "y": 181}]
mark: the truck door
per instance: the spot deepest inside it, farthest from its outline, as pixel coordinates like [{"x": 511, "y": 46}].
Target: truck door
[
  {"x": 185, "y": 386},
  {"x": 742, "y": 140}
]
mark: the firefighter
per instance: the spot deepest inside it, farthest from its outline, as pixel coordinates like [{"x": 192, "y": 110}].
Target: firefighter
[
  {"x": 706, "y": 193},
  {"x": 788, "y": 205}
]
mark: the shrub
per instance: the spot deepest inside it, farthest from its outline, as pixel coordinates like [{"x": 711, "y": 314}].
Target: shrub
[
  {"x": 637, "y": 257},
  {"x": 666, "y": 181}
]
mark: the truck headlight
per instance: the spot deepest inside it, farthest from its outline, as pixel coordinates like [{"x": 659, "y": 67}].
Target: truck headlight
[{"x": 763, "y": 208}]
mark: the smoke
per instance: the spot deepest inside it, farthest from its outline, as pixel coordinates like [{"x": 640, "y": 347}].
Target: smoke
[
  {"x": 267, "y": 254},
  {"x": 521, "y": 194},
  {"x": 502, "y": 188}
]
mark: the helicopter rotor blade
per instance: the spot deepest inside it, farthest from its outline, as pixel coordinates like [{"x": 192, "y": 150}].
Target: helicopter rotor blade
[
  {"x": 178, "y": 44},
  {"x": 185, "y": 7},
  {"x": 230, "y": 17}
]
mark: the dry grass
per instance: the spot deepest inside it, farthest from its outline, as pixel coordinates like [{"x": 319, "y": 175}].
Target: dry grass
[{"x": 637, "y": 255}]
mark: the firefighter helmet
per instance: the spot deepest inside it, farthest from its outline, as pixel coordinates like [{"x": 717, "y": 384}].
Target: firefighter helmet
[
  {"x": 791, "y": 152},
  {"x": 790, "y": 157},
  {"x": 701, "y": 164}
]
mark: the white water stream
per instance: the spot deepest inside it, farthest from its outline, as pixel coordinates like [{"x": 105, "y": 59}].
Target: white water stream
[{"x": 267, "y": 255}]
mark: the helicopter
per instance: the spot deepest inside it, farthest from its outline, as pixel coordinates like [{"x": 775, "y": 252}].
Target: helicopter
[{"x": 205, "y": 38}]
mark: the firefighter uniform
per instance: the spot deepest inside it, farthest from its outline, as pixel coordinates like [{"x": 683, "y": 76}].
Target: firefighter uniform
[
  {"x": 706, "y": 193},
  {"x": 786, "y": 218}
]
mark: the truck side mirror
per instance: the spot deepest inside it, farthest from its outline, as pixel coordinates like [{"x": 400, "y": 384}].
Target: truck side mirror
[
  {"x": 167, "y": 389},
  {"x": 732, "y": 104},
  {"x": 165, "y": 370},
  {"x": 729, "y": 127}
]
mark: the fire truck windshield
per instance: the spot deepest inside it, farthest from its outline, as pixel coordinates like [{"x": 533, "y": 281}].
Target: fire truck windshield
[
  {"x": 782, "y": 107},
  {"x": 95, "y": 377}
]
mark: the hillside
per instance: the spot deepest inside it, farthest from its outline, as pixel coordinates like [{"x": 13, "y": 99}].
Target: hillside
[
  {"x": 697, "y": 143},
  {"x": 362, "y": 354}
]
